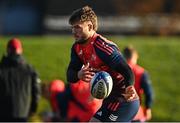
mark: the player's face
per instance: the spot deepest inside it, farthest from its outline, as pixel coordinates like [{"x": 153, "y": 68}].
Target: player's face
[{"x": 81, "y": 31}]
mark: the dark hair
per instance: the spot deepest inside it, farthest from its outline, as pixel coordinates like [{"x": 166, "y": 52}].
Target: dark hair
[
  {"x": 128, "y": 52},
  {"x": 84, "y": 14}
]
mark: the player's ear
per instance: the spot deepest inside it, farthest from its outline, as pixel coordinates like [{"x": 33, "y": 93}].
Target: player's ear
[{"x": 90, "y": 25}]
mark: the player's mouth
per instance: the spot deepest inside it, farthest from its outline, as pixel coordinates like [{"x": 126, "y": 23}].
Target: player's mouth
[{"x": 76, "y": 36}]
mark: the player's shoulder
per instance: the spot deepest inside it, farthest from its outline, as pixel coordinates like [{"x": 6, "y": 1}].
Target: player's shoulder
[
  {"x": 74, "y": 47},
  {"x": 139, "y": 69},
  {"x": 104, "y": 45},
  {"x": 30, "y": 68},
  {"x": 102, "y": 40}
]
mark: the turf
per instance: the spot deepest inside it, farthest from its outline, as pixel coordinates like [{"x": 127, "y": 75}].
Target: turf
[{"x": 159, "y": 55}]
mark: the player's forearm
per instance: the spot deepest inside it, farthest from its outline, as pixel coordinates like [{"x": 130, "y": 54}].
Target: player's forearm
[
  {"x": 146, "y": 85},
  {"x": 36, "y": 92},
  {"x": 119, "y": 64},
  {"x": 148, "y": 101},
  {"x": 126, "y": 72}
]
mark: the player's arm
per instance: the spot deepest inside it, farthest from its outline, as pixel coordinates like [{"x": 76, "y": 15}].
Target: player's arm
[
  {"x": 110, "y": 54},
  {"x": 147, "y": 88},
  {"x": 74, "y": 66},
  {"x": 35, "y": 92}
]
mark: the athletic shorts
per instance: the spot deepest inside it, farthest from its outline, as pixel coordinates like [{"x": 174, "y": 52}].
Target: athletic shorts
[{"x": 117, "y": 111}]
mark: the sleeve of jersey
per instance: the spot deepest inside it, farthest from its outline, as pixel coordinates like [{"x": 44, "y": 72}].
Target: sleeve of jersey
[
  {"x": 36, "y": 91},
  {"x": 146, "y": 85},
  {"x": 111, "y": 56},
  {"x": 74, "y": 66}
]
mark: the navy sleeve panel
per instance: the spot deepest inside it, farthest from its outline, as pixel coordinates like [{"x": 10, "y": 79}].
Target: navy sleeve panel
[
  {"x": 111, "y": 56},
  {"x": 146, "y": 85},
  {"x": 36, "y": 91},
  {"x": 74, "y": 66}
]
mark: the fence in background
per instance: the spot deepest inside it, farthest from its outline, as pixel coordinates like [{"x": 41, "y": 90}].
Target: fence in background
[{"x": 153, "y": 24}]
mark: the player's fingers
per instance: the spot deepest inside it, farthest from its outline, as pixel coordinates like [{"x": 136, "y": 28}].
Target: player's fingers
[
  {"x": 129, "y": 96},
  {"x": 86, "y": 71},
  {"x": 89, "y": 73},
  {"x": 88, "y": 78},
  {"x": 93, "y": 70},
  {"x": 130, "y": 90},
  {"x": 86, "y": 66}
]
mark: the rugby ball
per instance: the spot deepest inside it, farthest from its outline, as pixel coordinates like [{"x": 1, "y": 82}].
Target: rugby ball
[{"x": 101, "y": 85}]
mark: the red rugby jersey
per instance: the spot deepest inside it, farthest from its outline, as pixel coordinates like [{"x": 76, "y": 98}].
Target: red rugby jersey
[{"x": 103, "y": 55}]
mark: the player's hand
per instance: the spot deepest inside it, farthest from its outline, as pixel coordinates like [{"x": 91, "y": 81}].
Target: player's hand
[
  {"x": 86, "y": 73},
  {"x": 130, "y": 93},
  {"x": 148, "y": 114}
]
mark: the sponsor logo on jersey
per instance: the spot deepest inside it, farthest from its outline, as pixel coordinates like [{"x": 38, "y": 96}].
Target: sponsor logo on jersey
[
  {"x": 100, "y": 113},
  {"x": 113, "y": 117},
  {"x": 80, "y": 52},
  {"x": 93, "y": 57}
]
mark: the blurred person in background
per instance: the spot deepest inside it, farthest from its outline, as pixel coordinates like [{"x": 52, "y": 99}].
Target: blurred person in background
[
  {"x": 19, "y": 85},
  {"x": 72, "y": 102},
  {"x": 142, "y": 85},
  {"x": 91, "y": 53}
]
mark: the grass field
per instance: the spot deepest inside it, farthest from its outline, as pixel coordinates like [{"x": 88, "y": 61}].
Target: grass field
[{"x": 159, "y": 55}]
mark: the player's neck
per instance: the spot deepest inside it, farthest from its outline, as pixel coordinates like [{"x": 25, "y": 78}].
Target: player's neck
[
  {"x": 132, "y": 61},
  {"x": 90, "y": 37}
]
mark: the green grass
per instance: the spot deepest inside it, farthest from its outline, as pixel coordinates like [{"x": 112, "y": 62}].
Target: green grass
[{"x": 159, "y": 55}]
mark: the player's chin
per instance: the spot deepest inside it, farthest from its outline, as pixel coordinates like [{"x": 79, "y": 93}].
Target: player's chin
[
  {"x": 77, "y": 40},
  {"x": 80, "y": 41}
]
